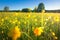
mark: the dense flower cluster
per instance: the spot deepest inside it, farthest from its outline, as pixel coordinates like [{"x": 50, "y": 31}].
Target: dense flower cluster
[{"x": 29, "y": 26}]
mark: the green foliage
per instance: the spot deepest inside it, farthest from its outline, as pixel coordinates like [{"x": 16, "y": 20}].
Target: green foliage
[
  {"x": 41, "y": 7},
  {"x": 35, "y": 9},
  {"x": 26, "y": 10},
  {"x": 6, "y": 8}
]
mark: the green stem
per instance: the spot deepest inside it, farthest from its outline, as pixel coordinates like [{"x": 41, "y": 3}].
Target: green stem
[
  {"x": 42, "y": 19},
  {"x": 27, "y": 35},
  {"x": 28, "y": 29}
]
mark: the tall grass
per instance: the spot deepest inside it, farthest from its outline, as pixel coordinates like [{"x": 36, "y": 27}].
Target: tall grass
[{"x": 31, "y": 26}]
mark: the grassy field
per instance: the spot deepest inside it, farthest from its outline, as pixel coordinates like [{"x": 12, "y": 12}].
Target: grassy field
[{"x": 29, "y": 26}]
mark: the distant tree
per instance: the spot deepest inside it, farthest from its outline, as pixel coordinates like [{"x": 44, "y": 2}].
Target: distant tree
[
  {"x": 41, "y": 7},
  {"x": 35, "y": 9},
  {"x": 18, "y": 10},
  {"x": 26, "y": 10},
  {"x": 6, "y": 8}
]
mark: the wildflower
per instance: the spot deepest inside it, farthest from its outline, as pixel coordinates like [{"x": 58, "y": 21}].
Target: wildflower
[
  {"x": 45, "y": 23},
  {"x": 53, "y": 33},
  {"x": 50, "y": 30},
  {"x": 11, "y": 21},
  {"x": 25, "y": 22},
  {"x": 52, "y": 22},
  {"x": 38, "y": 31},
  {"x": 6, "y": 17},
  {"x": 35, "y": 19},
  {"x": 14, "y": 33},
  {"x": 2, "y": 32},
  {"x": 16, "y": 14},
  {"x": 28, "y": 15},
  {"x": 32, "y": 28},
  {"x": 15, "y": 21},
  {"x": 41, "y": 29},
  {"x": 2, "y": 20},
  {"x": 55, "y": 37},
  {"x": 18, "y": 22},
  {"x": 56, "y": 18},
  {"x": 48, "y": 18}
]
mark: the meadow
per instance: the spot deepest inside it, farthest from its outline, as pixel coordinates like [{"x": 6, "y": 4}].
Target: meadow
[{"x": 29, "y": 26}]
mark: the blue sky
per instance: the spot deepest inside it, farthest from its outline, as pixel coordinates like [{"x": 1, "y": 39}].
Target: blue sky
[{"x": 20, "y": 4}]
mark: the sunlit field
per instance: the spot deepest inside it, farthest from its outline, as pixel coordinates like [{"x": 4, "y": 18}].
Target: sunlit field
[{"x": 29, "y": 26}]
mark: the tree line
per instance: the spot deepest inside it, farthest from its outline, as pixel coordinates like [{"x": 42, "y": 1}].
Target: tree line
[{"x": 40, "y": 8}]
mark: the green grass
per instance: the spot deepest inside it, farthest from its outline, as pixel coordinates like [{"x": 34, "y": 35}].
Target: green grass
[{"x": 27, "y": 22}]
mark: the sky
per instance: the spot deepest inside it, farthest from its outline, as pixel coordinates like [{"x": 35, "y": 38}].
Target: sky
[{"x": 20, "y": 4}]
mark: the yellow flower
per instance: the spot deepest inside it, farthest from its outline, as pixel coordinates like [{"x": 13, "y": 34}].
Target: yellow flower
[
  {"x": 28, "y": 15},
  {"x": 25, "y": 22},
  {"x": 52, "y": 22},
  {"x": 2, "y": 20},
  {"x": 56, "y": 18},
  {"x": 35, "y": 19},
  {"x": 18, "y": 22},
  {"x": 53, "y": 33},
  {"x": 48, "y": 18},
  {"x": 41, "y": 29},
  {"x": 14, "y": 33},
  {"x": 50, "y": 30},
  {"x": 38, "y": 31},
  {"x": 16, "y": 14},
  {"x": 15, "y": 21},
  {"x": 6, "y": 17},
  {"x": 55, "y": 37},
  {"x": 32, "y": 28},
  {"x": 2, "y": 32}
]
